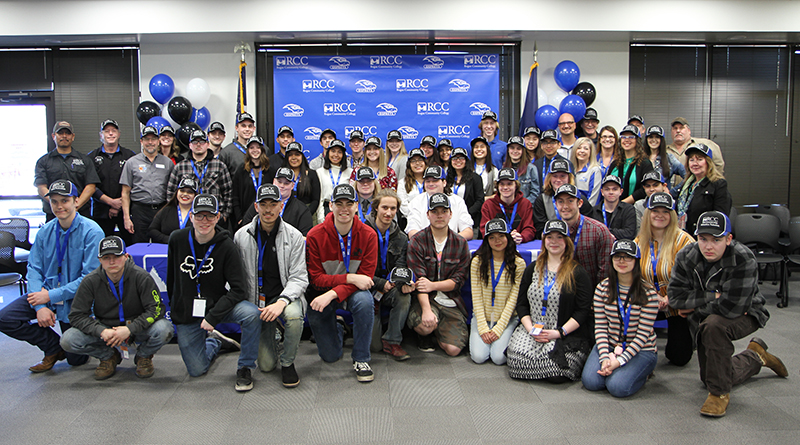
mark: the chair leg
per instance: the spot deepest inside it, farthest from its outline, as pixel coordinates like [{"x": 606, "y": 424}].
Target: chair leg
[{"x": 783, "y": 291}]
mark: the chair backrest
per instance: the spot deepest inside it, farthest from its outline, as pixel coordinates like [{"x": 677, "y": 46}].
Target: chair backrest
[
  {"x": 7, "y": 244},
  {"x": 783, "y": 214},
  {"x": 19, "y": 228},
  {"x": 758, "y": 230},
  {"x": 794, "y": 234},
  {"x": 732, "y": 216}
]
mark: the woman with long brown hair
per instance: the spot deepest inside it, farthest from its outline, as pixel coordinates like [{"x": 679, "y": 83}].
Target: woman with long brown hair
[{"x": 630, "y": 164}]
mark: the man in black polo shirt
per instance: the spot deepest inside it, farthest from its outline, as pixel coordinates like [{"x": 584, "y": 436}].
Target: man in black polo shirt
[
  {"x": 284, "y": 138},
  {"x": 109, "y": 159},
  {"x": 66, "y": 163}
]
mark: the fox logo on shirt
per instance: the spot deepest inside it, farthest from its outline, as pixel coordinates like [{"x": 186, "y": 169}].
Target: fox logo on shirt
[{"x": 188, "y": 266}]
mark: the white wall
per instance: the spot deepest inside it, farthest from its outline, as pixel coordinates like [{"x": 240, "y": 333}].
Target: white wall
[
  {"x": 215, "y": 63},
  {"x": 603, "y": 64}
]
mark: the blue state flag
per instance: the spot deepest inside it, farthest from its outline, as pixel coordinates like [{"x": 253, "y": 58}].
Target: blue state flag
[{"x": 528, "y": 118}]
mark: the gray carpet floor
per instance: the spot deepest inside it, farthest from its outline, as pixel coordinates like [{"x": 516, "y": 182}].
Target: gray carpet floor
[{"x": 429, "y": 399}]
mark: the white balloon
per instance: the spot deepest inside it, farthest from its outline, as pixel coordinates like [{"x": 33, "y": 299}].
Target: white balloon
[
  {"x": 542, "y": 97},
  {"x": 198, "y": 92},
  {"x": 554, "y": 99}
]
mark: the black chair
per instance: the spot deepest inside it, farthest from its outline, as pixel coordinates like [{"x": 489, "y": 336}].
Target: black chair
[
  {"x": 8, "y": 266},
  {"x": 760, "y": 232},
  {"x": 792, "y": 253},
  {"x": 20, "y": 229}
]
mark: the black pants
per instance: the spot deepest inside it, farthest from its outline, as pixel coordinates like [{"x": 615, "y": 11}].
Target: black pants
[
  {"x": 108, "y": 224},
  {"x": 680, "y": 346},
  {"x": 141, "y": 217}
]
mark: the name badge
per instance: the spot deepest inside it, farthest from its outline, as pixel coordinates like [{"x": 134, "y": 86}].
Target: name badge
[
  {"x": 160, "y": 166},
  {"x": 199, "y": 308},
  {"x": 262, "y": 300},
  {"x": 125, "y": 353},
  {"x": 537, "y": 329}
]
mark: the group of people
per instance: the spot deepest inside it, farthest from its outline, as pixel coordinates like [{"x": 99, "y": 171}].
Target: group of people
[{"x": 262, "y": 240}]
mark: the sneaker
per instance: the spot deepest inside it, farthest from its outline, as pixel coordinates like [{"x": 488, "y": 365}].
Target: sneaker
[
  {"x": 363, "y": 372},
  {"x": 395, "y": 351},
  {"x": 227, "y": 344},
  {"x": 289, "y": 375},
  {"x": 426, "y": 343},
  {"x": 107, "y": 368},
  {"x": 144, "y": 366},
  {"x": 244, "y": 381}
]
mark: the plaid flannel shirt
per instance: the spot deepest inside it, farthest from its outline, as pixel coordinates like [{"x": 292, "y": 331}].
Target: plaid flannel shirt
[
  {"x": 454, "y": 265},
  {"x": 217, "y": 180},
  {"x": 593, "y": 249}
]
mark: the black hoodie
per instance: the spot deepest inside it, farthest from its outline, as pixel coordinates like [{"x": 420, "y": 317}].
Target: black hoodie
[{"x": 224, "y": 266}]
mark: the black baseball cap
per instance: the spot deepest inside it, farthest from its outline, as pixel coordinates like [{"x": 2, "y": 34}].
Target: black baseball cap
[
  {"x": 285, "y": 129},
  {"x": 713, "y": 223},
  {"x": 356, "y": 134},
  {"x": 445, "y": 142},
  {"x": 428, "y": 140},
  {"x": 149, "y": 130},
  {"x": 653, "y": 175},
  {"x": 197, "y": 134},
  {"x": 337, "y": 143},
  {"x": 111, "y": 245},
  {"x": 630, "y": 129},
  {"x": 516, "y": 140},
  {"x": 394, "y": 134},
  {"x": 655, "y": 129},
  {"x": 569, "y": 189},
  {"x": 416, "y": 152},
  {"x": 438, "y": 200},
  {"x": 255, "y": 139},
  {"x": 365, "y": 173},
  {"x": 109, "y": 122},
  {"x": 373, "y": 140},
  {"x": 549, "y": 134},
  {"x": 62, "y": 187},
  {"x": 660, "y": 199},
  {"x": 557, "y": 226},
  {"x": 294, "y": 146},
  {"x": 506, "y": 174},
  {"x": 612, "y": 178},
  {"x": 636, "y": 117},
  {"x": 702, "y": 148},
  {"x": 285, "y": 172},
  {"x": 560, "y": 165},
  {"x": 626, "y": 246},
  {"x": 327, "y": 130},
  {"x": 590, "y": 115},
  {"x": 268, "y": 191},
  {"x": 166, "y": 129},
  {"x": 62, "y": 125},
  {"x": 434, "y": 171},
  {"x": 497, "y": 225},
  {"x": 476, "y": 140},
  {"x": 401, "y": 275},
  {"x": 188, "y": 183},
  {"x": 205, "y": 202},
  {"x": 344, "y": 191},
  {"x": 459, "y": 151},
  {"x": 532, "y": 130},
  {"x": 216, "y": 126},
  {"x": 489, "y": 115},
  {"x": 241, "y": 117}
]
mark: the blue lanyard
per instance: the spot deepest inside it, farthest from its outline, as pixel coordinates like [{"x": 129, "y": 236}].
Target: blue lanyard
[
  {"x": 197, "y": 268},
  {"x": 199, "y": 176},
  {"x": 458, "y": 186},
  {"x": 346, "y": 252},
  {"x": 555, "y": 209},
  {"x": 545, "y": 166},
  {"x": 119, "y": 295},
  {"x": 482, "y": 170},
  {"x": 260, "y": 259},
  {"x": 578, "y": 233},
  {"x": 285, "y": 203},
  {"x": 239, "y": 146},
  {"x": 256, "y": 184},
  {"x": 61, "y": 248},
  {"x": 653, "y": 262},
  {"x": 420, "y": 187},
  {"x": 548, "y": 285},
  {"x": 603, "y": 209},
  {"x": 604, "y": 168},
  {"x": 384, "y": 246},
  {"x": 625, "y": 315},
  {"x": 496, "y": 280},
  {"x": 361, "y": 212},
  {"x": 513, "y": 214},
  {"x": 181, "y": 220},
  {"x": 337, "y": 179},
  {"x": 391, "y": 161}
]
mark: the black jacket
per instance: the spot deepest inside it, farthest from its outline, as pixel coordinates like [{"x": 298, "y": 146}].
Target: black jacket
[
  {"x": 164, "y": 223},
  {"x": 398, "y": 248},
  {"x": 626, "y": 173},
  {"x": 224, "y": 266},
  {"x": 296, "y": 214},
  {"x": 621, "y": 223},
  {"x": 707, "y": 196},
  {"x": 95, "y": 308},
  {"x": 243, "y": 194},
  {"x": 473, "y": 195}
]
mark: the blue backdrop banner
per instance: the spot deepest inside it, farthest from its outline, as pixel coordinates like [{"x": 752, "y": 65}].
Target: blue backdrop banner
[{"x": 442, "y": 96}]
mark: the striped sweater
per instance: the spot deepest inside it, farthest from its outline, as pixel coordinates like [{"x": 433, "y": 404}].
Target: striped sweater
[
  {"x": 608, "y": 327},
  {"x": 505, "y": 297}
]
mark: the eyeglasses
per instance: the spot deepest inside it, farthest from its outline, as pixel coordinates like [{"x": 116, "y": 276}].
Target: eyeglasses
[
  {"x": 416, "y": 161},
  {"x": 623, "y": 258},
  {"x": 204, "y": 216},
  {"x": 606, "y": 137},
  {"x": 566, "y": 123},
  {"x": 627, "y": 137}
]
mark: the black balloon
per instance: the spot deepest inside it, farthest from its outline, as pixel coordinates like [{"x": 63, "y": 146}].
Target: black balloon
[
  {"x": 185, "y": 132},
  {"x": 180, "y": 109},
  {"x": 146, "y": 111},
  {"x": 585, "y": 91}
]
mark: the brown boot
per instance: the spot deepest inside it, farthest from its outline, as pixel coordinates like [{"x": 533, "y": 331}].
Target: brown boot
[
  {"x": 107, "y": 368},
  {"x": 715, "y": 406},
  {"x": 144, "y": 366},
  {"x": 758, "y": 346},
  {"x": 48, "y": 362}
]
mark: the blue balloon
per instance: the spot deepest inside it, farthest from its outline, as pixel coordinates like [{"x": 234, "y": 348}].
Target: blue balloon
[
  {"x": 574, "y": 105},
  {"x": 201, "y": 117},
  {"x": 547, "y": 117},
  {"x": 161, "y": 88},
  {"x": 158, "y": 122},
  {"x": 567, "y": 75}
]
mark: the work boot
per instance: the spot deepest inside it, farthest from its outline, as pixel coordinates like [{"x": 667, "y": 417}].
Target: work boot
[
  {"x": 758, "y": 346},
  {"x": 395, "y": 351},
  {"x": 48, "y": 362},
  {"x": 144, "y": 366},
  {"x": 715, "y": 406},
  {"x": 107, "y": 368}
]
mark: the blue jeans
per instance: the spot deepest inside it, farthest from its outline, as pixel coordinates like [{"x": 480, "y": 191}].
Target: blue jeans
[
  {"x": 624, "y": 381},
  {"x": 293, "y": 329},
  {"x": 328, "y": 333},
  {"x": 480, "y": 351},
  {"x": 14, "y": 322},
  {"x": 400, "y": 304},
  {"x": 149, "y": 341},
  {"x": 198, "y": 351}
]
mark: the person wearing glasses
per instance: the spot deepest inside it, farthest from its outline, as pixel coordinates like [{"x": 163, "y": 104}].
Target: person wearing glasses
[
  {"x": 630, "y": 164},
  {"x": 566, "y": 126}
]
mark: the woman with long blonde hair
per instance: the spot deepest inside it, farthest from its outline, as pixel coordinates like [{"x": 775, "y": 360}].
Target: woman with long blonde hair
[{"x": 375, "y": 158}]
